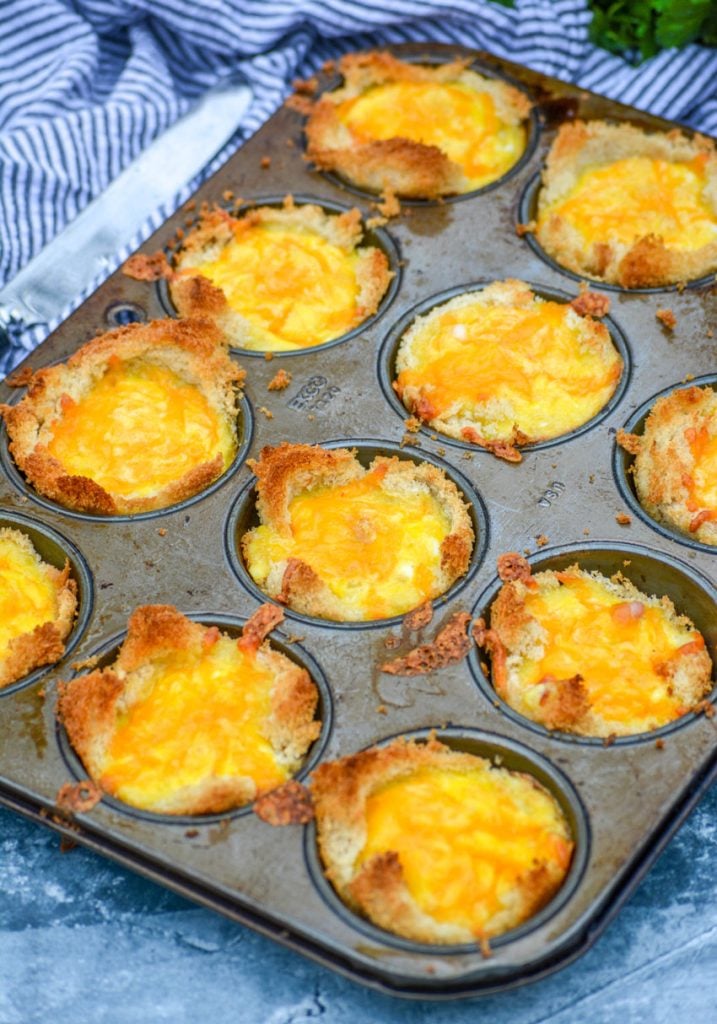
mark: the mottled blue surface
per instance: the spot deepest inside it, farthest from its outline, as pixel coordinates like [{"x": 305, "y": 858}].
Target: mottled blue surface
[{"x": 83, "y": 940}]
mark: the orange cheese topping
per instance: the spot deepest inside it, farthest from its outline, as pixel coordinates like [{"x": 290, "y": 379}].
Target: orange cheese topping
[
  {"x": 201, "y": 715},
  {"x": 376, "y": 550},
  {"x": 702, "y": 485},
  {"x": 295, "y": 287},
  {"x": 139, "y": 429},
  {"x": 460, "y": 121},
  {"x": 467, "y": 840},
  {"x": 638, "y": 196},
  {"x": 618, "y": 648},
  {"x": 28, "y": 588},
  {"x": 503, "y": 366}
]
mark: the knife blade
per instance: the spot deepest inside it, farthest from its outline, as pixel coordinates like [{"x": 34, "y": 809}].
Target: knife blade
[{"x": 44, "y": 288}]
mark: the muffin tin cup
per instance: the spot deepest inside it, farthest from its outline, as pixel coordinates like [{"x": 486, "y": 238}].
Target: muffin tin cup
[
  {"x": 623, "y": 462},
  {"x": 56, "y": 550},
  {"x": 485, "y": 69},
  {"x": 244, "y": 517},
  {"x": 389, "y": 353},
  {"x": 245, "y": 430},
  {"x": 506, "y": 754},
  {"x": 106, "y": 655},
  {"x": 628, "y": 798},
  {"x": 691, "y": 593},
  {"x": 377, "y": 237},
  {"x": 528, "y": 213}
]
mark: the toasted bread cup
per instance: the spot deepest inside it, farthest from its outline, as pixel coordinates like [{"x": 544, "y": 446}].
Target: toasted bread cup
[
  {"x": 439, "y": 130},
  {"x": 279, "y": 278},
  {"x": 37, "y": 606},
  {"x": 137, "y": 419},
  {"x": 675, "y": 469},
  {"x": 629, "y": 207},
  {"x": 437, "y": 845},
  {"x": 340, "y": 541},
  {"x": 502, "y": 367},
  {"x": 188, "y": 720},
  {"x": 580, "y": 653}
]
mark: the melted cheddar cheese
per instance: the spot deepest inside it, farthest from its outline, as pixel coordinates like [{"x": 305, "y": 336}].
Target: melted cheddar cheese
[
  {"x": 460, "y": 121},
  {"x": 28, "y": 589},
  {"x": 619, "y": 648},
  {"x": 702, "y": 485},
  {"x": 467, "y": 840},
  {"x": 295, "y": 287},
  {"x": 639, "y": 196},
  {"x": 377, "y": 551},
  {"x": 139, "y": 429},
  {"x": 498, "y": 367},
  {"x": 201, "y": 716}
]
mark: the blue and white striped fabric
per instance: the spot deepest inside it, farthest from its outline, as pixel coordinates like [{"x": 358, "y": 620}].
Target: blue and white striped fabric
[{"x": 86, "y": 84}]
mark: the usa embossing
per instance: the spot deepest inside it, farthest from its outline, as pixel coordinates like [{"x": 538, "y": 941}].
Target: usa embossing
[
  {"x": 551, "y": 494},
  {"x": 315, "y": 395}
]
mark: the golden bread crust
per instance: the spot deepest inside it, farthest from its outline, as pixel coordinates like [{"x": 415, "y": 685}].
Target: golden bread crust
[
  {"x": 480, "y": 421},
  {"x": 397, "y": 165},
  {"x": 647, "y": 262},
  {"x": 196, "y": 296},
  {"x": 517, "y": 637},
  {"x": 377, "y": 888},
  {"x": 43, "y": 645},
  {"x": 193, "y": 350},
  {"x": 89, "y": 706},
  {"x": 665, "y": 462},
  {"x": 288, "y": 470}
]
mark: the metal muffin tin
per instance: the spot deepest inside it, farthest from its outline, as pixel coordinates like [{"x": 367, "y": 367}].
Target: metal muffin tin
[{"x": 624, "y": 800}]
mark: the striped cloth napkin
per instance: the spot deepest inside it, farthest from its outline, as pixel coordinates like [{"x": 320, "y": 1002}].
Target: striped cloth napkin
[{"x": 86, "y": 84}]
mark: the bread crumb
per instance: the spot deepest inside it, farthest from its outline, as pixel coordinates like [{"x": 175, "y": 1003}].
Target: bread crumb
[
  {"x": 267, "y": 412},
  {"x": 419, "y": 618},
  {"x": 409, "y": 440},
  {"x": 667, "y": 318},
  {"x": 710, "y": 332},
  {"x": 589, "y": 303},
  {"x": 305, "y": 86},
  {"x": 162, "y": 532},
  {"x": 586, "y": 532},
  {"x": 300, "y": 104},
  {"x": 687, "y": 378},
  {"x": 78, "y": 797},
  {"x": 311, "y": 416},
  {"x": 660, "y": 744},
  {"x": 293, "y": 638},
  {"x": 279, "y": 381},
  {"x": 376, "y": 222},
  {"x": 391, "y": 642},
  {"x": 524, "y": 229},
  {"x": 265, "y": 162},
  {"x": 591, "y": 478},
  {"x": 227, "y": 195},
  {"x": 440, "y": 451},
  {"x": 288, "y": 804},
  {"x": 381, "y": 709},
  {"x": 609, "y": 740},
  {"x": 541, "y": 540},
  {"x": 626, "y": 562},
  {"x": 20, "y": 378},
  {"x": 623, "y": 519},
  {"x": 450, "y": 646},
  {"x": 389, "y": 205},
  {"x": 468, "y": 456},
  {"x": 485, "y": 951},
  {"x": 289, "y": 143},
  {"x": 412, "y": 424},
  {"x": 268, "y": 356}
]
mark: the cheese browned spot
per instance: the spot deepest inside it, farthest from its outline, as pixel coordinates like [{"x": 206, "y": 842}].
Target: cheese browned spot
[
  {"x": 438, "y": 845},
  {"x": 502, "y": 365},
  {"x": 37, "y": 606},
  {"x": 188, "y": 719},
  {"x": 595, "y": 656}
]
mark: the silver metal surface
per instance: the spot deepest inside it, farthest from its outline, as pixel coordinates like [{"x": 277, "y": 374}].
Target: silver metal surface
[{"x": 626, "y": 798}]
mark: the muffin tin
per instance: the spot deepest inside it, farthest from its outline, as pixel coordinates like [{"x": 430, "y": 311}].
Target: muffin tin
[{"x": 624, "y": 800}]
